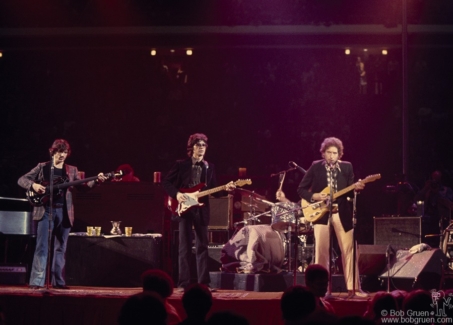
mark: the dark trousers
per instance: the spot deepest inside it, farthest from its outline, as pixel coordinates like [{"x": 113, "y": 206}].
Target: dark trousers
[{"x": 185, "y": 248}]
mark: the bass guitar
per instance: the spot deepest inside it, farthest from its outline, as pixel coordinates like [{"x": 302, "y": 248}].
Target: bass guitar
[
  {"x": 59, "y": 184},
  {"x": 315, "y": 211},
  {"x": 193, "y": 194}
]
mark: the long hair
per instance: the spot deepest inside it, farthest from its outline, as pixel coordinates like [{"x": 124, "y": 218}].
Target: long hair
[
  {"x": 60, "y": 145},
  {"x": 193, "y": 139},
  {"x": 332, "y": 142}
]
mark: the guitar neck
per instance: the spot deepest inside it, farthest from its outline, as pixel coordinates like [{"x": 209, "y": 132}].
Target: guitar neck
[
  {"x": 212, "y": 190},
  {"x": 80, "y": 181},
  {"x": 343, "y": 191}
]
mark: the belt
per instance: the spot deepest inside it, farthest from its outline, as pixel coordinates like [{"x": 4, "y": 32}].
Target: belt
[{"x": 58, "y": 205}]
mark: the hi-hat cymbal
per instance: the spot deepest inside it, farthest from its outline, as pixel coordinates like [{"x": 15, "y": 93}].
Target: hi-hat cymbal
[{"x": 250, "y": 193}]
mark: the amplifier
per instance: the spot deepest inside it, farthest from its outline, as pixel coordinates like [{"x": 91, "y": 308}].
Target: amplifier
[
  {"x": 13, "y": 274},
  {"x": 221, "y": 212},
  {"x": 400, "y": 232}
]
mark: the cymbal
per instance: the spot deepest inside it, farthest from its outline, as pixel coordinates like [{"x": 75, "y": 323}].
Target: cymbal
[
  {"x": 250, "y": 193},
  {"x": 250, "y": 205}
]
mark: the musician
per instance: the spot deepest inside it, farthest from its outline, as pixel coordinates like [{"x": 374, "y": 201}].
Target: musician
[
  {"x": 62, "y": 213},
  {"x": 318, "y": 177},
  {"x": 188, "y": 173}
]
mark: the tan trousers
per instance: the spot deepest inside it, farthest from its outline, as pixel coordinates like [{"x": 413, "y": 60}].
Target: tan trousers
[{"x": 345, "y": 239}]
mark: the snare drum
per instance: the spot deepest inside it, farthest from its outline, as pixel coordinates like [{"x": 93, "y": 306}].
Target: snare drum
[{"x": 283, "y": 216}]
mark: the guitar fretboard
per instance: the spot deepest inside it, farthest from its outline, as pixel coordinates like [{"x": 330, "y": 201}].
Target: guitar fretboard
[{"x": 212, "y": 190}]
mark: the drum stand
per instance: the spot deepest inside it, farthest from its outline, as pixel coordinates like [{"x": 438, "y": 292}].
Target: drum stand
[{"x": 290, "y": 243}]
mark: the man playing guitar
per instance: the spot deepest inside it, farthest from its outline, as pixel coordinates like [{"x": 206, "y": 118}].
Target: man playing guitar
[{"x": 186, "y": 174}]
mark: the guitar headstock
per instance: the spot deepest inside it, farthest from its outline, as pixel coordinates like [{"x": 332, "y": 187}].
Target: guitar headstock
[
  {"x": 242, "y": 182},
  {"x": 114, "y": 175},
  {"x": 371, "y": 178}
]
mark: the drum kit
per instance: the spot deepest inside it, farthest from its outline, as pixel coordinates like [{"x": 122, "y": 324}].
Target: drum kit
[{"x": 286, "y": 219}]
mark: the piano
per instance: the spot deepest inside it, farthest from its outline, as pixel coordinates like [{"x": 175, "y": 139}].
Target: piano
[{"x": 16, "y": 217}]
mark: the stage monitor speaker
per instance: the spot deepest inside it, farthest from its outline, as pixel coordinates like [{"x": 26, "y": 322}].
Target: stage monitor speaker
[
  {"x": 417, "y": 271},
  {"x": 13, "y": 274},
  {"x": 372, "y": 259},
  {"x": 399, "y": 232},
  {"x": 221, "y": 212}
]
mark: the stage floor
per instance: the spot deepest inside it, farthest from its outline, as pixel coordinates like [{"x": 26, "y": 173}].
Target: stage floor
[{"x": 100, "y": 305}]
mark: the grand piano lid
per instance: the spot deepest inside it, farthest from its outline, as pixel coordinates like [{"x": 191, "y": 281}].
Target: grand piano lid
[{"x": 15, "y": 217}]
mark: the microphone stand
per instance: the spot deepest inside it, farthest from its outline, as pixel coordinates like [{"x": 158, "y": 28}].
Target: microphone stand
[
  {"x": 354, "y": 248},
  {"x": 50, "y": 216},
  {"x": 387, "y": 255},
  {"x": 332, "y": 171}
]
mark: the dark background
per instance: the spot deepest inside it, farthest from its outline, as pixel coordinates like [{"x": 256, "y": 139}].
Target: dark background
[{"x": 262, "y": 85}]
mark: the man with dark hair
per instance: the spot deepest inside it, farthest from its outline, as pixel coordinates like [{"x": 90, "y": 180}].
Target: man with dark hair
[
  {"x": 197, "y": 301},
  {"x": 335, "y": 174},
  {"x": 158, "y": 281},
  {"x": 317, "y": 281},
  {"x": 142, "y": 309},
  {"x": 296, "y": 304},
  {"x": 186, "y": 174},
  {"x": 62, "y": 212}
]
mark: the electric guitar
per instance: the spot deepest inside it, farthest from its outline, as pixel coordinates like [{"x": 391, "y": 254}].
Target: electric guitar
[
  {"x": 315, "y": 211},
  {"x": 193, "y": 193},
  {"x": 59, "y": 184}
]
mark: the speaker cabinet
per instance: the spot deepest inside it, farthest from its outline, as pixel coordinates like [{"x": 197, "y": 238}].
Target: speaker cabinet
[
  {"x": 14, "y": 274},
  {"x": 417, "y": 271},
  {"x": 372, "y": 259},
  {"x": 221, "y": 212},
  {"x": 399, "y": 232}
]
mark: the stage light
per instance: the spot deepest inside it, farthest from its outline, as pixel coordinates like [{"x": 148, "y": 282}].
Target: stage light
[
  {"x": 384, "y": 52},
  {"x": 347, "y": 51},
  {"x": 365, "y": 50},
  {"x": 153, "y": 52},
  {"x": 189, "y": 52},
  {"x": 1, "y": 54},
  {"x": 172, "y": 51}
]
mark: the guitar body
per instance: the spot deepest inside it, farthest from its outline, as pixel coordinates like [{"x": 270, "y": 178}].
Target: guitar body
[
  {"x": 314, "y": 211},
  {"x": 37, "y": 200},
  {"x": 192, "y": 200}
]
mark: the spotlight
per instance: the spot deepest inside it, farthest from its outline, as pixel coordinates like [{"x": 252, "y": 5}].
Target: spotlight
[
  {"x": 384, "y": 52},
  {"x": 347, "y": 51},
  {"x": 189, "y": 52},
  {"x": 153, "y": 52}
]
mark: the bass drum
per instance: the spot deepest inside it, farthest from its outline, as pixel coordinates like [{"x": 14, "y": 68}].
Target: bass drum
[{"x": 284, "y": 216}]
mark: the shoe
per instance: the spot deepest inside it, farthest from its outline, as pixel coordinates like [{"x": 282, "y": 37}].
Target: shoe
[
  {"x": 61, "y": 286},
  {"x": 358, "y": 293},
  {"x": 179, "y": 290},
  {"x": 35, "y": 287},
  {"x": 212, "y": 289}
]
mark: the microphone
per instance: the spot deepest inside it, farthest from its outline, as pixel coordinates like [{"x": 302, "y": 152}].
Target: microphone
[
  {"x": 294, "y": 165},
  {"x": 265, "y": 202}
]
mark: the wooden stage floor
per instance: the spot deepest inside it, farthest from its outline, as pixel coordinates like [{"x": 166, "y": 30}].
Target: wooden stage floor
[{"x": 100, "y": 305}]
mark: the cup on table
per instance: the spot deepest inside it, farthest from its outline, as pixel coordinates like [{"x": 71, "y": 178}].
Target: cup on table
[
  {"x": 90, "y": 231},
  {"x": 128, "y": 231},
  {"x": 97, "y": 231}
]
